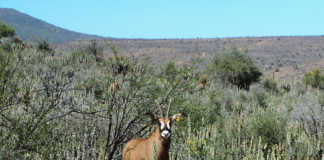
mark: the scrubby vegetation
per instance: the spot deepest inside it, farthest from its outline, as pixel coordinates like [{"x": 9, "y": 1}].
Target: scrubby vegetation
[
  {"x": 6, "y": 31},
  {"x": 314, "y": 79},
  {"x": 81, "y": 105}
]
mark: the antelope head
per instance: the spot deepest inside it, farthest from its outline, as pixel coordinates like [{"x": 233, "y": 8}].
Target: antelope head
[{"x": 165, "y": 124}]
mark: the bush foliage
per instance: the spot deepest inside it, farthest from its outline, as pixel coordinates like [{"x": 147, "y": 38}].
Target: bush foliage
[
  {"x": 314, "y": 79},
  {"x": 74, "y": 106},
  {"x": 235, "y": 68},
  {"x": 6, "y": 31}
]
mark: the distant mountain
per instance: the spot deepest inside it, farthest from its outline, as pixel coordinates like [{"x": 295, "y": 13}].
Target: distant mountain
[{"x": 30, "y": 28}]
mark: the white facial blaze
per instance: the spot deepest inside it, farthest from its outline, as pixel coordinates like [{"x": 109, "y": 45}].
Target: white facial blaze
[
  {"x": 168, "y": 125},
  {"x": 162, "y": 125},
  {"x": 165, "y": 131}
]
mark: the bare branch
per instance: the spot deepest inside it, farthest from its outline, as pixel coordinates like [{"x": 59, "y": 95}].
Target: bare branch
[{"x": 59, "y": 116}]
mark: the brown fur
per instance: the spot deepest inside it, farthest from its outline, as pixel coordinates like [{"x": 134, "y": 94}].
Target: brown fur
[
  {"x": 143, "y": 148},
  {"x": 113, "y": 87}
]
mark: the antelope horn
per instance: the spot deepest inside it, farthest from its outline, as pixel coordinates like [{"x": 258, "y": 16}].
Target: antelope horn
[
  {"x": 160, "y": 108},
  {"x": 167, "y": 115}
]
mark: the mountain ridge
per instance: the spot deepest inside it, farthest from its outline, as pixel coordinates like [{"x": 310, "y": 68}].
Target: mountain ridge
[{"x": 31, "y": 28}]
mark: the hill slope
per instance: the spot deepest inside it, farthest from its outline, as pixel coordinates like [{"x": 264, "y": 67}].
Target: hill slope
[
  {"x": 292, "y": 56},
  {"x": 30, "y": 28}
]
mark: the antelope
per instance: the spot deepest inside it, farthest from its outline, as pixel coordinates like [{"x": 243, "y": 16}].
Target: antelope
[
  {"x": 203, "y": 81},
  {"x": 113, "y": 87},
  {"x": 157, "y": 142}
]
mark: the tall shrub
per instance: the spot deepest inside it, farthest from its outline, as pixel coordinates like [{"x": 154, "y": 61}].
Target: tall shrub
[{"x": 235, "y": 68}]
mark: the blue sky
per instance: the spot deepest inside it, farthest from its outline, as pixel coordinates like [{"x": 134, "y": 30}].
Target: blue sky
[{"x": 179, "y": 18}]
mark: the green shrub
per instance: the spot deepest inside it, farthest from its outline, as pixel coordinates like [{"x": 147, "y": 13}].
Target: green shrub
[
  {"x": 120, "y": 65},
  {"x": 314, "y": 79},
  {"x": 12, "y": 44},
  {"x": 8, "y": 79},
  {"x": 286, "y": 87},
  {"x": 270, "y": 127},
  {"x": 44, "y": 46},
  {"x": 270, "y": 85},
  {"x": 300, "y": 89},
  {"x": 7, "y": 46},
  {"x": 321, "y": 100},
  {"x": 95, "y": 50},
  {"x": 259, "y": 96},
  {"x": 6, "y": 31},
  {"x": 214, "y": 109},
  {"x": 235, "y": 68}
]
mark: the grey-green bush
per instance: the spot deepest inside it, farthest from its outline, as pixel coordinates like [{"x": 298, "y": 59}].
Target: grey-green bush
[{"x": 235, "y": 68}]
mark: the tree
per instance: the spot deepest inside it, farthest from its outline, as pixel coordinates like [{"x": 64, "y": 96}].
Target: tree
[{"x": 235, "y": 68}]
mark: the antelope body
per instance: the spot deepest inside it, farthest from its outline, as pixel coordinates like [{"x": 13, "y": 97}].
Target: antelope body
[{"x": 157, "y": 142}]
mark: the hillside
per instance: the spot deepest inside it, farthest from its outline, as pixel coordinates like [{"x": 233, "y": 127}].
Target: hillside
[
  {"x": 292, "y": 56},
  {"x": 30, "y": 28}
]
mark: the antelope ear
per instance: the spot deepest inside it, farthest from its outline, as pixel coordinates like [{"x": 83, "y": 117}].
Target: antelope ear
[{"x": 175, "y": 117}]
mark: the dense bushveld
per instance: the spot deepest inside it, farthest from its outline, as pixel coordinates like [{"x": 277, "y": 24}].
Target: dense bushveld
[{"x": 82, "y": 105}]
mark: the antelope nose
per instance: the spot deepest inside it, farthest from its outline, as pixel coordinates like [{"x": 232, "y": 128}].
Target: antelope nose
[{"x": 165, "y": 134}]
